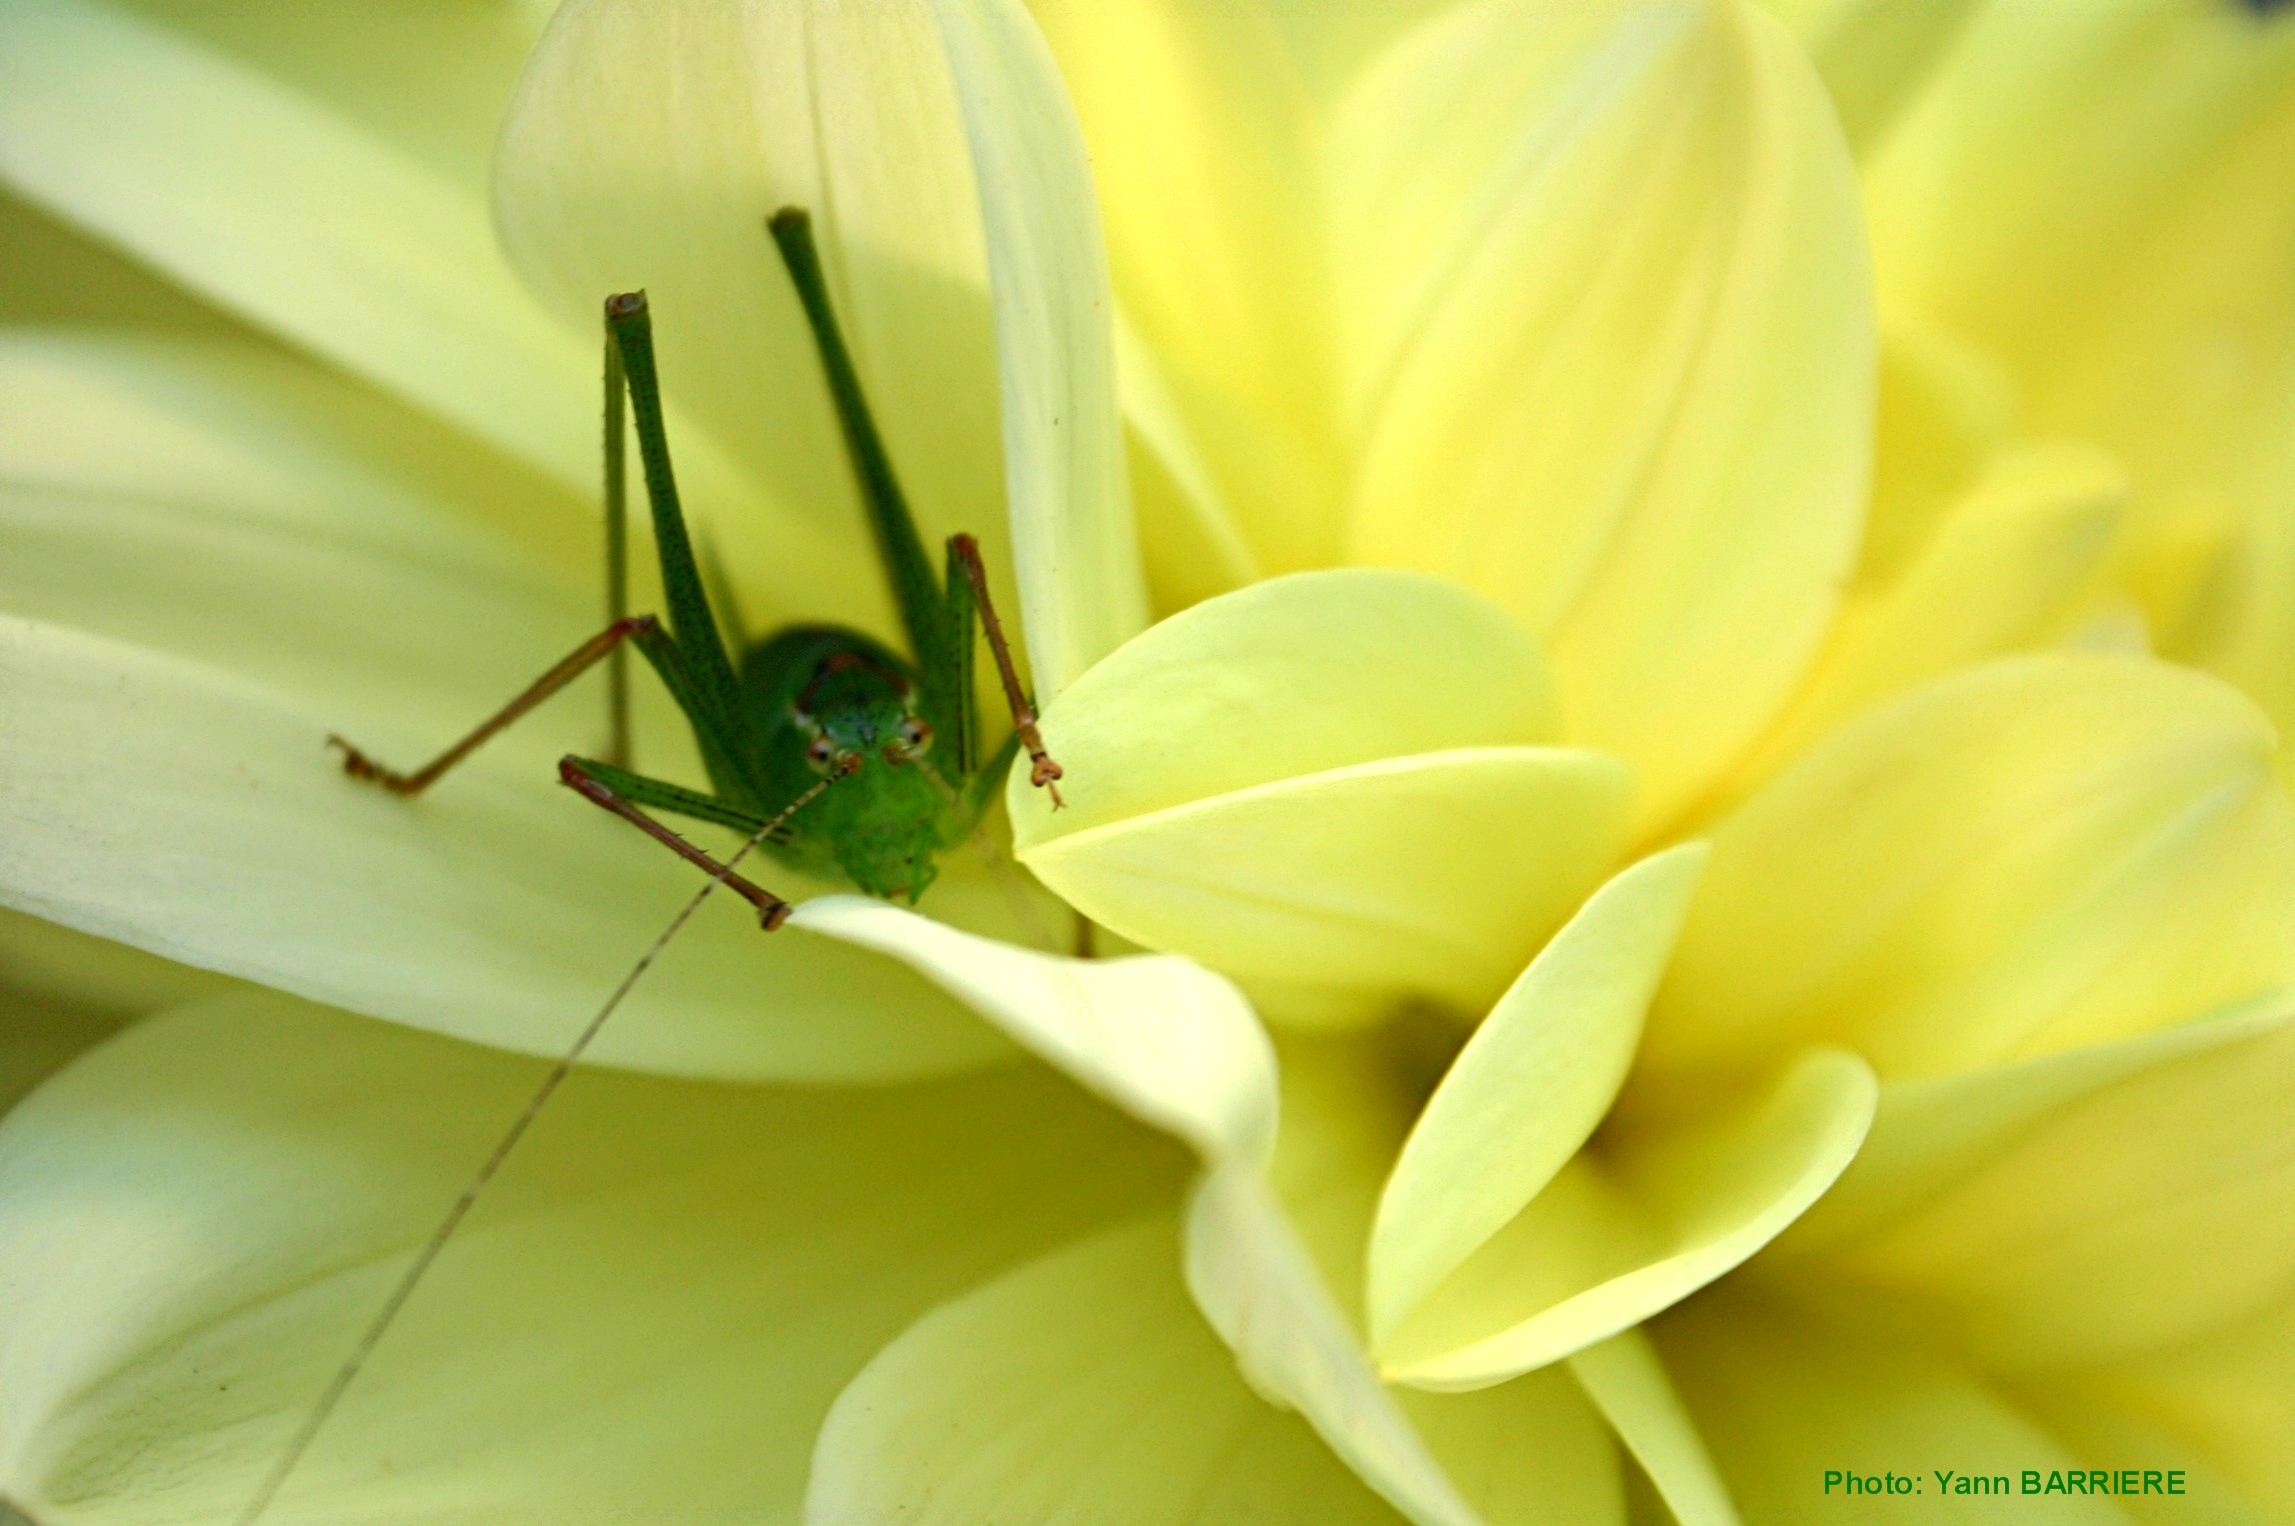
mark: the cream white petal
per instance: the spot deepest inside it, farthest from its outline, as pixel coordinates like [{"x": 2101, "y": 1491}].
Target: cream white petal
[
  {"x": 226, "y": 502},
  {"x": 1165, "y": 1040},
  {"x": 185, "y": 811},
  {"x": 430, "y": 80},
  {"x": 1075, "y": 552},
  {"x": 269, "y": 205},
  {"x": 1081, "y": 1382},
  {"x": 648, "y": 1315}
]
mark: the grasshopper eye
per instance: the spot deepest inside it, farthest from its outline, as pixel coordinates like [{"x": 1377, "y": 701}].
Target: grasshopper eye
[
  {"x": 916, "y": 733},
  {"x": 821, "y": 752}
]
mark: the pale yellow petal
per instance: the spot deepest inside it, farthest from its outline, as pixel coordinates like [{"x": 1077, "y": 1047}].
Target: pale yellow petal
[
  {"x": 2005, "y": 570},
  {"x": 1081, "y": 1382},
  {"x": 1289, "y": 677},
  {"x": 1626, "y": 1377},
  {"x": 1257, "y": 783},
  {"x": 2223, "y": 1398},
  {"x": 1628, "y": 387},
  {"x": 647, "y": 1316},
  {"x": 39, "y": 1037},
  {"x": 2099, "y": 195},
  {"x": 2141, "y": 1210},
  {"x": 1931, "y": 1135},
  {"x": 1203, "y": 139},
  {"x": 54, "y": 965},
  {"x": 1165, "y": 1040},
  {"x": 1075, "y": 551},
  {"x": 1528, "y": 1451},
  {"x": 646, "y": 147},
  {"x": 173, "y": 807},
  {"x": 1530, "y": 1086},
  {"x": 64, "y": 992},
  {"x": 1632, "y": 1228},
  {"x": 1874, "y": 55},
  {"x": 1343, "y": 892},
  {"x": 1190, "y": 540},
  {"x": 2234, "y": 1485},
  {"x": 2036, "y": 854},
  {"x": 1785, "y": 1396},
  {"x": 51, "y": 273},
  {"x": 2242, "y": 622},
  {"x": 1253, "y": 1280},
  {"x": 1945, "y": 407}
]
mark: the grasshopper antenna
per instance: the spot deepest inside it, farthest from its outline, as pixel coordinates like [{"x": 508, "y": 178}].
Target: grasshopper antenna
[{"x": 388, "y": 1314}]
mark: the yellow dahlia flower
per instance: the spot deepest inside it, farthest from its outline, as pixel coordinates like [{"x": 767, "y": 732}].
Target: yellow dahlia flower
[{"x": 1931, "y": 1109}]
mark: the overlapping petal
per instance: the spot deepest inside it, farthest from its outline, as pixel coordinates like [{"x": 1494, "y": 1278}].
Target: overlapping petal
[
  {"x": 1621, "y": 370},
  {"x": 2028, "y": 856},
  {"x": 222, "y": 501},
  {"x": 2097, "y": 196},
  {"x": 1084, "y": 1376},
  {"x": 1627, "y": 1378},
  {"x": 2126, "y": 1213},
  {"x": 2009, "y": 566},
  {"x": 1627, "y": 1232},
  {"x": 1530, "y": 1086},
  {"x": 251, "y": 193},
  {"x": 649, "y": 1315},
  {"x": 1328, "y": 786}
]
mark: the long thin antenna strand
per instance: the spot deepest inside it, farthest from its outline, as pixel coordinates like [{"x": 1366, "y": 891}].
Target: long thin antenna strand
[{"x": 478, "y": 1183}]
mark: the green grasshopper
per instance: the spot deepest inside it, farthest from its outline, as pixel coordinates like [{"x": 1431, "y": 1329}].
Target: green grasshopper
[
  {"x": 812, "y": 705},
  {"x": 819, "y": 748}
]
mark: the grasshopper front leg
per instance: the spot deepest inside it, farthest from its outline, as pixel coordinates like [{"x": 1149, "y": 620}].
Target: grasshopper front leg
[{"x": 643, "y": 629}]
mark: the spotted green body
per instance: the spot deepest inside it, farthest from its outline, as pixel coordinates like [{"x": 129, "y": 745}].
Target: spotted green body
[{"x": 844, "y": 757}]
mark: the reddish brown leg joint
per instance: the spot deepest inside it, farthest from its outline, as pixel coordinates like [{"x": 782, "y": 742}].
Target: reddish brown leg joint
[
  {"x": 772, "y": 911},
  {"x": 1042, "y": 771}
]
